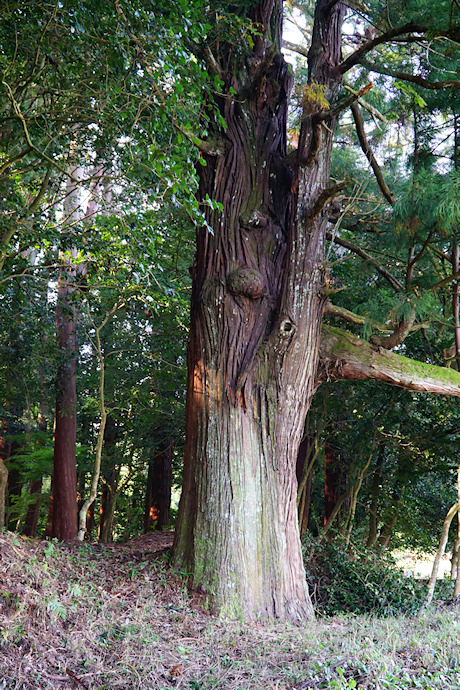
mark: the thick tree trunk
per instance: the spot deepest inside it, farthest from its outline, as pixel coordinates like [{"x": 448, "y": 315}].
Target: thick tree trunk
[
  {"x": 158, "y": 490},
  {"x": 255, "y": 323}
]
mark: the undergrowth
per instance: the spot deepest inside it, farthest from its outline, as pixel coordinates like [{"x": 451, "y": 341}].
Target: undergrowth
[
  {"x": 86, "y": 616},
  {"x": 346, "y": 579}
]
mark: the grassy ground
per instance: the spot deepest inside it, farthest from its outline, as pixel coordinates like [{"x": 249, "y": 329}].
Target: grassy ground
[{"x": 117, "y": 617}]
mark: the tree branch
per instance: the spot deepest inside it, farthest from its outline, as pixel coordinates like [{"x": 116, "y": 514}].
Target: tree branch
[
  {"x": 344, "y": 104},
  {"x": 394, "y": 282},
  {"x": 367, "y": 106},
  {"x": 399, "y": 334},
  {"x": 369, "y": 153},
  {"x": 414, "y": 78},
  {"x": 345, "y": 356},
  {"x": 356, "y": 57},
  {"x": 295, "y": 48},
  {"x": 325, "y": 196},
  {"x": 12, "y": 160}
]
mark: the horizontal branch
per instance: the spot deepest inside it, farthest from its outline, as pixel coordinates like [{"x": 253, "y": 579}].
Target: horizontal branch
[
  {"x": 293, "y": 47},
  {"x": 345, "y": 356},
  {"x": 357, "y": 56},
  {"x": 413, "y": 78}
]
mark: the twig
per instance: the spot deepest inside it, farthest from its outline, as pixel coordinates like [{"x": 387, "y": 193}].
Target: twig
[{"x": 77, "y": 680}]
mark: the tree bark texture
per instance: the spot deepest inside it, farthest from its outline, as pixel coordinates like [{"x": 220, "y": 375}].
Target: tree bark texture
[
  {"x": 65, "y": 426},
  {"x": 158, "y": 491},
  {"x": 255, "y": 324},
  {"x": 65, "y": 429}
]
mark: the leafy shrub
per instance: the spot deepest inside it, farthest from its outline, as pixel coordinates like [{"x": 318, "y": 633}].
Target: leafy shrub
[{"x": 347, "y": 580}]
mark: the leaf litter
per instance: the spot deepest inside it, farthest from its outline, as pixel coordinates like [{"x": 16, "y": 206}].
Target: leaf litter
[{"x": 93, "y": 616}]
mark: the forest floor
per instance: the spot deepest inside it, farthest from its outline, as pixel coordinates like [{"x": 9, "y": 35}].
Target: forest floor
[{"x": 90, "y": 616}]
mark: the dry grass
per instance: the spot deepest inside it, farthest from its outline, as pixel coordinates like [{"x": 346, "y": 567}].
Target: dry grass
[{"x": 93, "y": 617}]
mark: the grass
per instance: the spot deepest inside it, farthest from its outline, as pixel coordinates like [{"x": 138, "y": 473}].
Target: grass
[{"x": 108, "y": 617}]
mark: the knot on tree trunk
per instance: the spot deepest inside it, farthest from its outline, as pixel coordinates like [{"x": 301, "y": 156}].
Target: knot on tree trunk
[{"x": 246, "y": 282}]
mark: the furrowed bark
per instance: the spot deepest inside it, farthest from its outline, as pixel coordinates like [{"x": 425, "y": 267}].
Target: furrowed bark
[{"x": 255, "y": 322}]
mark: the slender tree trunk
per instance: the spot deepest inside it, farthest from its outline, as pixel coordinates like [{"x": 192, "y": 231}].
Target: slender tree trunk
[
  {"x": 158, "y": 491},
  {"x": 33, "y": 510},
  {"x": 373, "y": 510},
  {"x": 3, "y": 483},
  {"x": 456, "y": 548},
  {"x": 35, "y": 489},
  {"x": 109, "y": 498},
  {"x": 255, "y": 325},
  {"x": 65, "y": 427},
  {"x": 108, "y": 506},
  {"x": 306, "y": 457},
  {"x": 387, "y": 529},
  {"x": 440, "y": 552},
  {"x": 332, "y": 476}
]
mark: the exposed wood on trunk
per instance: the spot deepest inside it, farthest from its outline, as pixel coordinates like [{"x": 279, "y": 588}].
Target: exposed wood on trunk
[{"x": 344, "y": 355}]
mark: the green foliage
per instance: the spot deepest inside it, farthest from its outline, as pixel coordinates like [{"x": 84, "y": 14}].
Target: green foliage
[{"x": 347, "y": 580}]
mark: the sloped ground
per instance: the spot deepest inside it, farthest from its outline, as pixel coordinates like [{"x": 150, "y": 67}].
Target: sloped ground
[{"x": 87, "y": 616}]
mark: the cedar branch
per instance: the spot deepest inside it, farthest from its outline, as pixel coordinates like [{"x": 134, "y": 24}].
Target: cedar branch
[{"x": 344, "y": 355}]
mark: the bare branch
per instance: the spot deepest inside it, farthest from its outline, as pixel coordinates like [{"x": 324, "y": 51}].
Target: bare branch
[
  {"x": 12, "y": 160},
  {"x": 369, "y": 153},
  {"x": 414, "y": 78},
  {"x": 394, "y": 282},
  {"x": 367, "y": 106},
  {"x": 295, "y": 48},
  {"x": 399, "y": 334}
]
